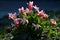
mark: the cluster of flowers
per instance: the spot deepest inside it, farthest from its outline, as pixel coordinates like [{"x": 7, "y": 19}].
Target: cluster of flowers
[{"x": 28, "y": 10}]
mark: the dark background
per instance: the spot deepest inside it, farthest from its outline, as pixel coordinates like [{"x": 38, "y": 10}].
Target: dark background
[{"x": 7, "y": 6}]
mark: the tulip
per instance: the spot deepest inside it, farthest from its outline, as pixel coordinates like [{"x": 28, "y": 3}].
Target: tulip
[
  {"x": 40, "y": 13},
  {"x": 45, "y": 16},
  {"x": 30, "y": 5},
  {"x": 21, "y": 10},
  {"x": 24, "y": 20},
  {"x": 36, "y": 26},
  {"x": 52, "y": 22},
  {"x": 12, "y": 16},
  {"x": 36, "y": 8},
  {"x": 16, "y": 21},
  {"x": 27, "y": 11}
]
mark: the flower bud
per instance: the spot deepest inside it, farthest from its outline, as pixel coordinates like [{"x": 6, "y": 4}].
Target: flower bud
[
  {"x": 30, "y": 5},
  {"x": 45, "y": 16},
  {"x": 52, "y": 22}
]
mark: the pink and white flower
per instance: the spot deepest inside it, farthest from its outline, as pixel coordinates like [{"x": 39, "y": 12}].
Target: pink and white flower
[
  {"x": 30, "y": 5},
  {"x": 16, "y": 21},
  {"x": 45, "y": 16},
  {"x": 36, "y": 8},
  {"x": 52, "y": 22},
  {"x": 21, "y": 9},
  {"x": 24, "y": 20},
  {"x": 12, "y": 16},
  {"x": 36, "y": 26},
  {"x": 41, "y": 13},
  {"x": 27, "y": 11}
]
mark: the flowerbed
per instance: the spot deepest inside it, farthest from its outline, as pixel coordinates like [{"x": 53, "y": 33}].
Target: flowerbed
[{"x": 32, "y": 24}]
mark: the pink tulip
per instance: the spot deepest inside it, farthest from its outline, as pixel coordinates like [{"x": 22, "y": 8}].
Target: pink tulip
[
  {"x": 12, "y": 16},
  {"x": 24, "y": 20},
  {"x": 30, "y": 5},
  {"x": 27, "y": 11},
  {"x": 21, "y": 9},
  {"x": 16, "y": 21},
  {"x": 36, "y": 8},
  {"x": 52, "y": 22},
  {"x": 36, "y": 26},
  {"x": 40, "y": 13},
  {"x": 45, "y": 16}
]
